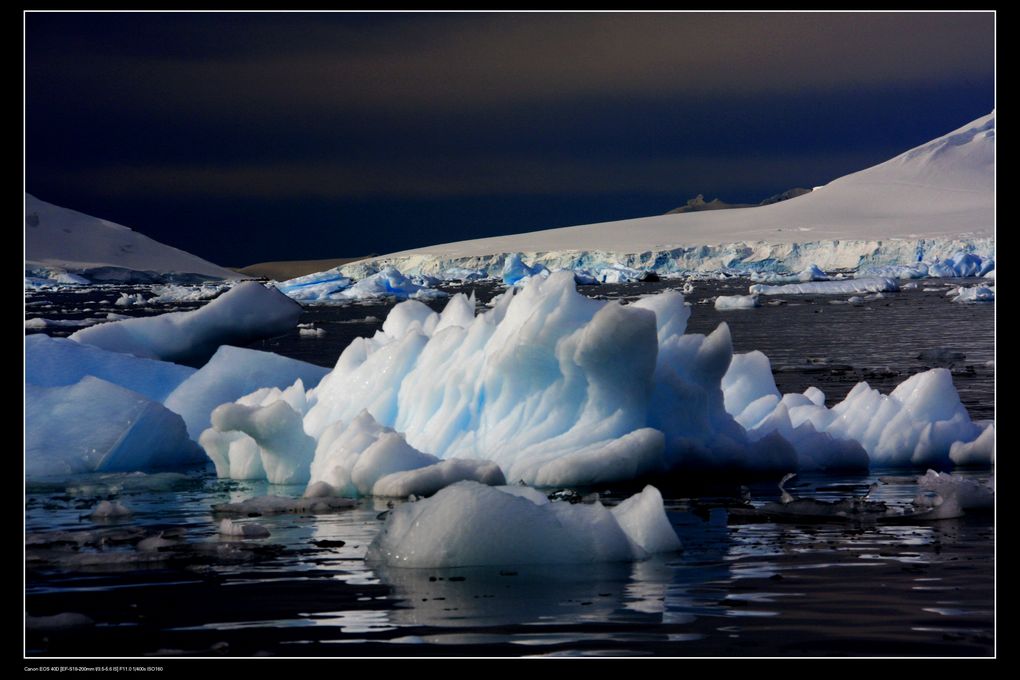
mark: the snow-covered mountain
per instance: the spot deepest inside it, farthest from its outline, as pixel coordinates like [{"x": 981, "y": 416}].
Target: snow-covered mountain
[
  {"x": 935, "y": 200},
  {"x": 62, "y": 240}
]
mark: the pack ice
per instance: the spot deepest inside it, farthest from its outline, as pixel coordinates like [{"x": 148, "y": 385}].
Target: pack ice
[{"x": 562, "y": 390}]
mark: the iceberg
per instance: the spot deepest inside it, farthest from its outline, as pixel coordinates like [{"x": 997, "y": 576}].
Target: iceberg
[
  {"x": 54, "y": 362},
  {"x": 974, "y": 294},
  {"x": 387, "y": 283},
  {"x": 559, "y": 389},
  {"x": 316, "y": 287},
  {"x": 967, "y": 493},
  {"x": 919, "y": 423},
  {"x": 247, "y": 312},
  {"x": 96, "y": 426},
  {"x": 469, "y": 524},
  {"x": 727, "y": 302}
]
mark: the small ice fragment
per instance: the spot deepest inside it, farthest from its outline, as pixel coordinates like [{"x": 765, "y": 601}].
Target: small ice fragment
[
  {"x": 229, "y": 527},
  {"x": 110, "y": 510}
]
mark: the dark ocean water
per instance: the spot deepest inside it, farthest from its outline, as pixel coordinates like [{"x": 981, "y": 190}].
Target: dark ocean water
[{"x": 743, "y": 585}]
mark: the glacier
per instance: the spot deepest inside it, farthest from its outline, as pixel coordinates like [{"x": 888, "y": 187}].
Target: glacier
[
  {"x": 933, "y": 205},
  {"x": 559, "y": 389}
]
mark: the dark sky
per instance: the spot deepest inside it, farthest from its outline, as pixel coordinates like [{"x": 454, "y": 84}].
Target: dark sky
[{"x": 245, "y": 137}]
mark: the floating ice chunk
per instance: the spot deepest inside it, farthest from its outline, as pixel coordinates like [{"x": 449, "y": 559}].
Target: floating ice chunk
[
  {"x": 110, "y": 510},
  {"x": 128, "y": 300},
  {"x": 277, "y": 505},
  {"x": 937, "y": 507},
  {"x": 428, "y": 480},
  {"x": 229, "y": 527},
  {"x": 728, "y": 302},
  {"x": 312, "y": 332},
  {"x": 155, "y": 543},
  {"x": 388, "y": 282},
  {"x": 960, "y": 264},
  {"x": 469, "y": 524},
  {"x": 974, "y": 294},
  {"x": 918, "y": 424},
  {"x": 315, "y": 287},
  {"x": 967, "y": 493},
  {"x": 811, "y": 273},
  {"x": 96, "y": 426},
  {"x": 172, "y": 293},
  {"x": 870, "y": 285},
  {"x": 231, "y": 373},
  {"x": 52, "y": 362},
  {"x": 643, "y": 518},
  {"x": 918, "y": 270},
  {"x": 247, "y": 312}
]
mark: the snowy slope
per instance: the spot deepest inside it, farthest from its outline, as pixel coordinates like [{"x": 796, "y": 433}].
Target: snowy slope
[
  {"x": 937, "y": 198},
  {"x": 65, "y": 239}
]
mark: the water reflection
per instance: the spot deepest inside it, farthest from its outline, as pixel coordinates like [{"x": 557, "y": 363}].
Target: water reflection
[{"x": 737, "y": 583}]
